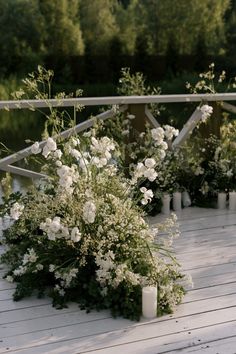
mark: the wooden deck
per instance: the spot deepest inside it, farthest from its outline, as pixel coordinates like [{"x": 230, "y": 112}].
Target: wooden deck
[{"x": 204, "y": 323}]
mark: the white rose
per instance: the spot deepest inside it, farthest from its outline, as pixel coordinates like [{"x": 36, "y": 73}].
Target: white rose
[
  {"x": 16, "y": 211},
  {"x": 51, "y": 144},
  {"x": 55, "y": 225},
  {"x": 35, "y": 149},
  {"x": 75, "y": 234},
  {"x": 150, "y": 174},
  {"x": 57, "y": 154},
  {"x": 150, "y": 163}
]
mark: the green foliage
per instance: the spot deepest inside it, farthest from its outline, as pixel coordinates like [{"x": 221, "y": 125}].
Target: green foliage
[
  {"x": 21, "y": 26},
  {"x": 62, "y": 35},
  {"x": 98, "y": 24}
]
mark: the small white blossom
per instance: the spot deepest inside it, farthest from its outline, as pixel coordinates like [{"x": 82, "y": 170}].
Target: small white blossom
[
  {"x": 57, "y": 154},
  {"x": 150, "y": 174},
  {"x": 206, "y": 112},
  {"x": 89, "y": 212},
  {"x": 158, "y": 135},
  {"x": 75, "y": 234},
  {"x": 150, "y": 163},
  {"x": 147, "y": 195},
  {"x": 10, "y": 279},
  {"x": 52, "y": 267},
  {"x": 130, "y": 116},
  {"x": 39, "y": 266},
  {"x": 16, "y": 211},
  {"x": 35, "y": 149},
  {"x": 49, "y": 147}
]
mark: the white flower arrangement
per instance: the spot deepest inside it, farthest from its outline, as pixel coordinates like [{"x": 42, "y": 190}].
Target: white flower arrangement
[{"x": 81, "y": 234}]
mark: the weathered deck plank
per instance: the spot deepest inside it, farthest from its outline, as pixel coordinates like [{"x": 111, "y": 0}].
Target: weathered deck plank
[{"x": 204, "y": 323}]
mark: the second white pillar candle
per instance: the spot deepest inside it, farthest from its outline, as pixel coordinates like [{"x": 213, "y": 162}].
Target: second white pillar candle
[
  {"x": 177, "y": 196},
  {"x": 221, "y": 202},
  {"x": 232, "y": 200},
  {"x": 165, "y": 204},
  {"x": 149, "y": 301}
]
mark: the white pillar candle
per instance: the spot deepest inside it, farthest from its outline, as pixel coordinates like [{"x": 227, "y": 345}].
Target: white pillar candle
[
  {"x": 177, "y": 201},
  {"x": 149, "y": 301},
  {"x": 186, "y": 199},
  {"x": 221, "y": 201},
  {"x": 232, "y": 201},
  {"x": 165, "y": 204}
]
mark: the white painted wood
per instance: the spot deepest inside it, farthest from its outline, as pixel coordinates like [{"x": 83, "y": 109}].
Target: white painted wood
[
  {"x": 22, "y": 171},
  {"x": 165, "y": 335},
  {"x": 188, "y": 128},
  {"x": 150, "y": 118},
  {"x": 208, "y": 312},
  {"x": 9, "y": 160},
  {"x": 228, "y": 107},
  {"x": 116, "y": 100},
  {"x": 65, "y": 134}
]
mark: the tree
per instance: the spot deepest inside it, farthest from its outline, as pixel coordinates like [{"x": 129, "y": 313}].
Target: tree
[
  {"x": 98, "y": 24},
  {"x": 187, "y": 21},
  {"x": 183, "y": 22},
  {"x": 21, "y": 25},
  {"x": 62, "y": 34}
]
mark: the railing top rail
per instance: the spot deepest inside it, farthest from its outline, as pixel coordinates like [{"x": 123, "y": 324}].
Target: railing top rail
[{"x": 116, "y": 100}]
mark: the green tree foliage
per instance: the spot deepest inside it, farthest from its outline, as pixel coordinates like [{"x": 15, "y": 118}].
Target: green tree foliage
[
  {"x": 186, "y": 20},
  {"x": 21, "y": 25},
  {"x": 182, "y": 23},
  {"x": 62, "y": 33},
  {"x": 38, "y": 30},
  {"x": 98, "y": 24}
]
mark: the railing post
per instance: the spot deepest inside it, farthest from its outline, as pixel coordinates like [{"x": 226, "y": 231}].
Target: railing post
[{"x": 138, "y": 110}]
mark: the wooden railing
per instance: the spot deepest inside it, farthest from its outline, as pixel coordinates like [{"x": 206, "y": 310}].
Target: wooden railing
[{"x": 137, "y": 105}]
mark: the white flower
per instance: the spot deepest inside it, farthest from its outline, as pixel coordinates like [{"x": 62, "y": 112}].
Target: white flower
[
  {"x": 55, "y": 225},
  {"x": 140, "y": 169},
  {"x": 89, "y": 212},
  {"x": 16, "y": 211},
  {"x": 150, "y": 174},
  {"x": 162, "y": 154},
  {"x": 66, "y": 181},
  {"x": 158, "y": 134},
  {"x": 87, "y": 134},
  {"x": 199, "y": 171},
  {"x": 150, "y": 163},
  {"x": 229, "y": 173},
  {"x": 10, "y": 279},
  {"x": 99, "y": 162},
  {"x": 206, "y": 112},
  {"x": 170, "y": 132},
  {"x": 19, "y": 271},
  {"x": 130, "y": 116},
  {"x": 49, "y": 147},
  {"x": 35, "y": 149},
  {"x": 39, "y": 266},
  {"x": 75, "y": 234},
  {"x": 164, "y": 145},
  {"x": 51, "y": 144},
  {"x": 52, "y": 267},
  {"x": 30, "y": 257},
  {"x": 58, "y": 154},
  {"x": 75, "y": 153},
  {"x": 147, "y": 195},
  {"x": 75, "y": 141},
  {"x": 58, "y": 163}
]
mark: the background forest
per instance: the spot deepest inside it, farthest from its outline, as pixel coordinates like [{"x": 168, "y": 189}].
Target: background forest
[{"x": 89, "y": 41}]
